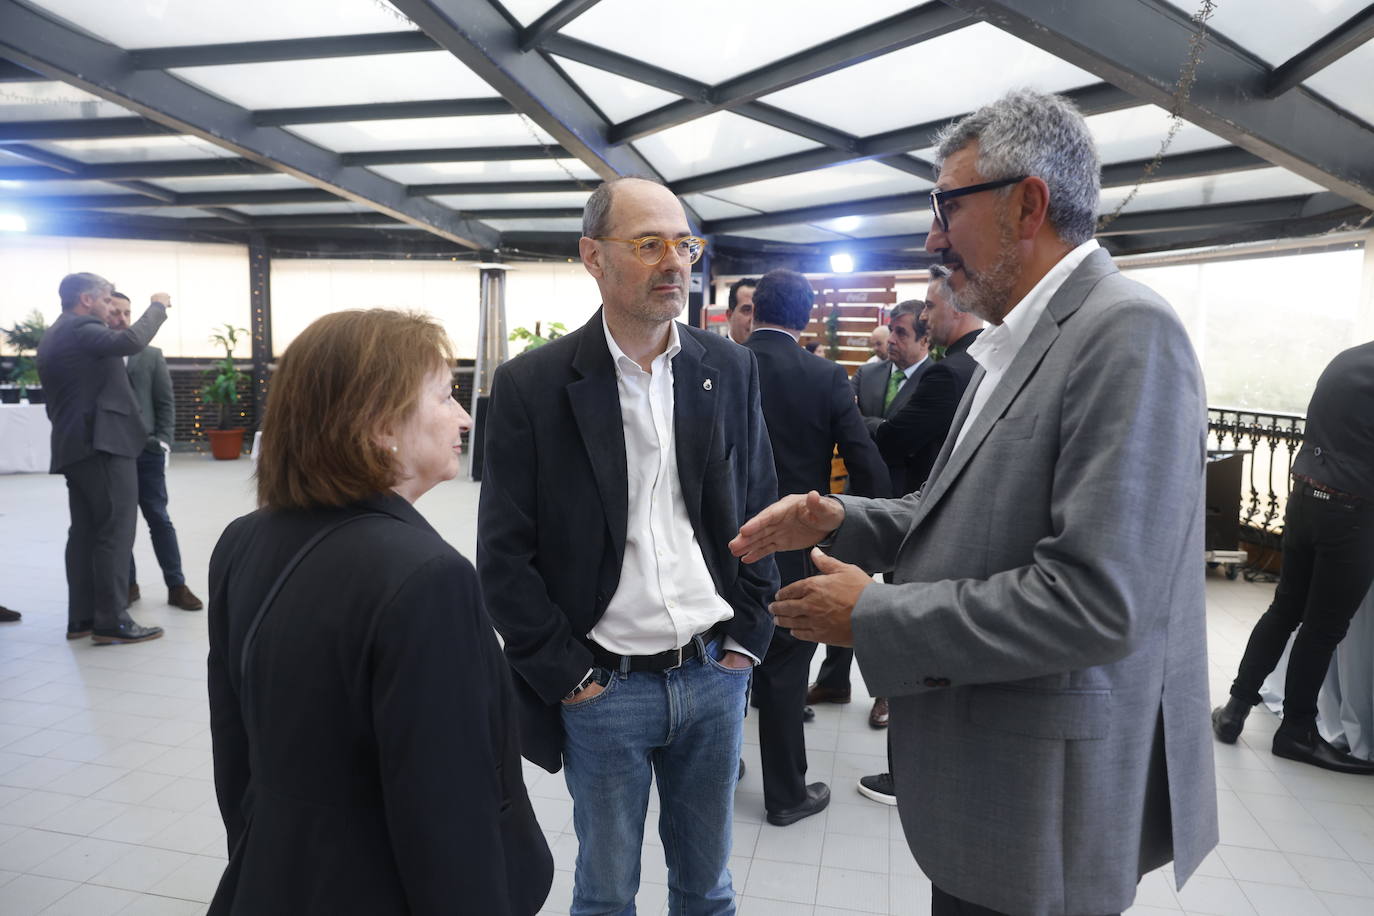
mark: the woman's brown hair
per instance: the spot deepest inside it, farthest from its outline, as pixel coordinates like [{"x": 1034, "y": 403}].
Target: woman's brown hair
[{"x": 349, "y": 377}]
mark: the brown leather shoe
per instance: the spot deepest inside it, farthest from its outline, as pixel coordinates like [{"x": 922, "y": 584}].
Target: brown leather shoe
[
  {"x": 181, "y": 596},
  {"x": 877, "y": 716},
  {"x": 134, "y": 593},
  {"x": 818, "y": 694}
]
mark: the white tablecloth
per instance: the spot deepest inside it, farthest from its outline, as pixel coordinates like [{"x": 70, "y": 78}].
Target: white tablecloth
[
  {"x": 25, "y": 439},
  {"x": 1345, "y": 706}
]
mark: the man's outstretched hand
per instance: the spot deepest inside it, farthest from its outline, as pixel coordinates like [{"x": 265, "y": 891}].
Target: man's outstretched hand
[
  {"x": 821, "y": 608},
  {"x": 791, "y": 523}
]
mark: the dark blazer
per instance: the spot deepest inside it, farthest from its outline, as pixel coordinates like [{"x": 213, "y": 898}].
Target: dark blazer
[
  {"x": 384, "y": 776},
  {"x": 152, "y": 385},
  {"x": 809, "y": 409},
  {"x": 553, "y": 511},
  {"x": 870, "y": 390},
  {"x": 89, "y": 401},
  {"x": 911, "y": 437},
  {"x": 1338, "y": 445}
]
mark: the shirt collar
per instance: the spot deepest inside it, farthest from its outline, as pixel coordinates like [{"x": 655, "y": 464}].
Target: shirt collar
[
  {"x": 624, "y": 364},
  {"x": 1016, "y": 327}
]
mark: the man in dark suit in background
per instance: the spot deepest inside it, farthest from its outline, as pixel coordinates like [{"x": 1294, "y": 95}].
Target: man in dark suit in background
[
  {"x": 809, "y": 408},
  {"x": 96, "y": 435},
  {"x": 619, "y": 460},
  {"x": 739, "y": 309},
  {"x": 152, "y": 385},
  {"x": 1328, "y": 543}
]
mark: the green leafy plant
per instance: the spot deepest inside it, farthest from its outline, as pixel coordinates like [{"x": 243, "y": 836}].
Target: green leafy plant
[
  {"x": 536, "y": 338},
  {"x": 24, "y": 337},
  {"x": 222, "y": 386},
  {"x": 832, "y": 332}
]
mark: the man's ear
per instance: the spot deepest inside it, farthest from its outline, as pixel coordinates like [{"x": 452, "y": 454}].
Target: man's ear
[
  {"x": 591, "y": 257},
  {"x": 1033, "y": 208}
]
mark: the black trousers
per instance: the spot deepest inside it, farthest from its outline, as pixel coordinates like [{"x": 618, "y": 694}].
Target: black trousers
[
  {"x": 780, "y": 690},
  {"x": 942, "y": 904},
  {"x": 834, "y": 671},
  {"x": 1328, "y": 565},
  {"x": 152, "y": 500},
  {"x": 102, "y": 494}
]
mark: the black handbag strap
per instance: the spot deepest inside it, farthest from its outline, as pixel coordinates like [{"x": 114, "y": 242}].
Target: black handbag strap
[{"x": 251, "y": 636}]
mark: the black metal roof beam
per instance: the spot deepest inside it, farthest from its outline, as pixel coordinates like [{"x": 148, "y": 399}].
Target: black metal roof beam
[
  {"x": 895, "y": 203},
  {"x": 1322, "y": 53},
  {"x": 80, "y": 129},
  {"x": 256, "y": 52},
  {"x": 1324, "y": 204},
  {"x": 200, "y": 199},
  {"x": 11, "y": 72},
  {"x": 381, "y": 111},
  {"x": 463, "y": 154},
  {"x": 630, "y": 68},
  {"x": 42, "y": 44},
  {"x": 1183, "y": 165},
  {"x": 516, "y": 213},
  {"x": 496, "y": 187},
  {"x": 113, "y": 171},
  {"x": 902, "y": 30},
  {"x": 70, "y": 168},
  {"x": 478, "y": 34},
  {"x": 557, "y": 16},
  {"x": 1140, "y": 46}
]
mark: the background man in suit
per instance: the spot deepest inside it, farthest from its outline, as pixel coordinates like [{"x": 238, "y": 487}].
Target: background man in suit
[
  {"x": 1043, "y": 642},
  {"x": 96, "y": 434},
  {"x": 809, "y": 409},
  {"x": 739, "y": 309},
  {"x": 882, "y": 390},
  {"x": 877, "y": 342},
  {"x": 152, "y": 385},
  {"x": 915, "y": 434},
  {"x": 1328, "y": 542},
  {"x": 619, "y": 461}
]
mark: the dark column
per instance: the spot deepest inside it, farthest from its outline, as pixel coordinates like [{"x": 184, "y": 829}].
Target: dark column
[
  {"x": 700, "y": 289},
  {"x": 491, "y": 352},
  {"x": 260, "y": 319}
]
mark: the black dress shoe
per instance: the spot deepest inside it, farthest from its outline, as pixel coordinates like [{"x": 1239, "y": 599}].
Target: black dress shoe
[
  {"x": 741, "y": 770},
  {"x": 817, "y": 799},
  {"x": 80, "y": 630},
  {"x": 808, "y": 714},
  {"x": 1304, "y": 745},
  {"x": 8, "y": 616},
  {"x": 124, "y": 633},
  {"x": 1228, "y": 720}
]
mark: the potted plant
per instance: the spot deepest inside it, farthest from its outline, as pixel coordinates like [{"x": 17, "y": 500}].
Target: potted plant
[
  {"x": 222, "y": 390},
  {"x": 24, "y": 337},
  {"x": 537, "y": 338}
]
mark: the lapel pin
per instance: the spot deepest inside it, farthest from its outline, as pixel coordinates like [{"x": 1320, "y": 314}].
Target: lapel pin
[{"x": 706, "y": 384}]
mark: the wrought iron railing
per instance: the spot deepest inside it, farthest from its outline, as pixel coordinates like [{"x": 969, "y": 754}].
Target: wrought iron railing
[{"x": 1270, "y": 441}]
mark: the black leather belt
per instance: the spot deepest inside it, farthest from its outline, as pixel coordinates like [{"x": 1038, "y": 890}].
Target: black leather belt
[
  {"x": 1317, "y": 490},
  {"x": 662, "y": 661}
]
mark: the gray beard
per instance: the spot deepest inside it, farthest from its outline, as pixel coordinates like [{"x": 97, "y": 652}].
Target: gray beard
[{"x": 986, "y": 294}]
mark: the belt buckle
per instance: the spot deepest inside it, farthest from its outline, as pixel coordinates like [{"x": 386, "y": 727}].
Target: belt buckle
[
  {"x": 678, "y": 650},
  {"x": 1320, "y": 494}
]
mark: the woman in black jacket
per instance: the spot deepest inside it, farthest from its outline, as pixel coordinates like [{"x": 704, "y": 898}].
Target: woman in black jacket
[{"x": 361, "y": 712}]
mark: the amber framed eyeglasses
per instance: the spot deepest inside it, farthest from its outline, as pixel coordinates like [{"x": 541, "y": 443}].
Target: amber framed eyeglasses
[{"x": 651, "y": 249}]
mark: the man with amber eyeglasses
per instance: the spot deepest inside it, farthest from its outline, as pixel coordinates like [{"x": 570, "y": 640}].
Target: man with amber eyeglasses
[{"x": 620, "y": 461}]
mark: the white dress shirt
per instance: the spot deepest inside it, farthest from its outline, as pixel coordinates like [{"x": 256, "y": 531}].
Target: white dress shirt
[
  {"x": 666, "y": 594},
  {"x": 997, "y": 346}
]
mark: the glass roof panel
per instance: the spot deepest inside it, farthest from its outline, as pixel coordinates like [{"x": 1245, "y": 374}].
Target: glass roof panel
[
  {"x": 799, "y": 233},
  {"x": 1275, "y": 30},
  {"x": 1347, "y": 82},
  {"x": 717, "y": 39},
  {"x": 907, "y": 223},
  {"x": 854, "y": 181},
  {"x": 136, "y": 149},
  {"x": 1216, "y": 189},
  {"x": 526, "y": 11},
  {"x": 49, "y": 100},
  {"x": 504, "y": 170},
  {"x": 269, "y": 181},
  {"x": 959, "y": 62},
  {"x": 18, "y": 190},
  {"x": 569, "y": 224},
  {"x": 160, "y": 23},
  {"x": 717, "y": 141},
  {"x": 424, "y": 133},
  {"x": 165, "y": 212},
  {"x": 342, "y": 206},
  {"x": 513, "y": 201},
  {"x": 708, "y": 206},
  {"x": 340, "y": 80},
  {"x": 618, "y": 98}
]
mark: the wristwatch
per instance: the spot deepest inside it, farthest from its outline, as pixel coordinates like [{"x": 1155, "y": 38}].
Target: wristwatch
[{"x": 583, "y": 685}]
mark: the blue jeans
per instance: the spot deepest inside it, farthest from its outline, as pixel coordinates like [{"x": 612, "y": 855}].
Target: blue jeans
[
  {"x": 685, "y": 728},
  {"x": 152, "y": 499}
]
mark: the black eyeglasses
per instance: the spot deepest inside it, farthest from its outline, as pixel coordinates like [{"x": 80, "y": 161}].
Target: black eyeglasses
[{"x": 938, "y": 198}]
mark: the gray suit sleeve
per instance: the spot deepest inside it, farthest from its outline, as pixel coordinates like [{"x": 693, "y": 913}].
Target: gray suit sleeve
[
  {"x": 98, "y": 340},
  {"x": 164, "y": 405},
  {"x": 1125, "y": 489}
]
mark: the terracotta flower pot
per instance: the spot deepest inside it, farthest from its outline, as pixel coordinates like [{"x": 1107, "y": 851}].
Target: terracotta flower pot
[{"x": 225, "y": 444}]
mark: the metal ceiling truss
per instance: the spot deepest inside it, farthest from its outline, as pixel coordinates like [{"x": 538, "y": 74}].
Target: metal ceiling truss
[
  {"x": 1322, "y": 53},
  {"x": 53, "y": 49}
]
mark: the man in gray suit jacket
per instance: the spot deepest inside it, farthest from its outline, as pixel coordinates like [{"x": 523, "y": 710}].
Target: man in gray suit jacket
[
  {"x": 1043, "y": 641},
  {"x": 152, "y": 385},
  {"x": 96, "y": 434}
]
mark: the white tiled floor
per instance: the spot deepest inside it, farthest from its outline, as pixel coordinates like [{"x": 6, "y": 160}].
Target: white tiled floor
[{"x": 106, "y": 804}]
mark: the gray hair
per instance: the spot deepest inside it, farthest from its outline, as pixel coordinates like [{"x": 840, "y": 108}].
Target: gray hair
[
  {"x": 74, "y": 286},
  {"x": 596, "y": 215},
  {"x": 910, "y": 307},
  {"x": 1035, "y": 133}
]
